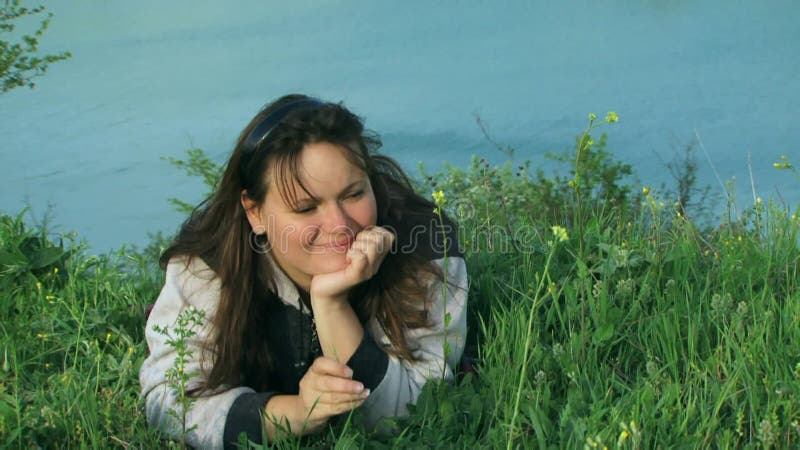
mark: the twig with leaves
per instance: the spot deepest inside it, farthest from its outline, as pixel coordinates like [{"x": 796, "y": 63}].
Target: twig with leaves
[
  {"x": 177, "y": 376},
  {"x": 19, "y": 61}
]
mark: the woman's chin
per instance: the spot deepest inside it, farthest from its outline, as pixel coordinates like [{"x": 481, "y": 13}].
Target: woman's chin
[{"x": 332, "y": 262}]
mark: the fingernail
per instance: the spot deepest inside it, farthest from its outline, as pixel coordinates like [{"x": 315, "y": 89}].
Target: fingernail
[
  {"x": 359, "y": 387},
  {"x": 366, "y": 393},
  {"x": 349, "y": 373}
]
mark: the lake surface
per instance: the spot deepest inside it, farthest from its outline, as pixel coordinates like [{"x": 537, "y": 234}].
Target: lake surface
[{"x": 150, "y": 79}]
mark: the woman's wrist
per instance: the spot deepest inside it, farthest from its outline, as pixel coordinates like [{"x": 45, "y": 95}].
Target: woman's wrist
[
  {"x": 283, "y": 409},
  {"x": 329, "y": 301}
]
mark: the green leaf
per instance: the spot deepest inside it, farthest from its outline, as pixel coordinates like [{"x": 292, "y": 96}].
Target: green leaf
[
  {"x": 607, "y": 248},
  {"x": 43, "y": 257},
  {"x": 614, "y": 315},
  {"x": 446, "y": 410},
  {"x": 583, "y": 269},
  {"x": 607, "y": 267},
  {"x": 447, "y": 319},
  {"x": 603, "y": 333},
  {"x": 11, "y": 259}
]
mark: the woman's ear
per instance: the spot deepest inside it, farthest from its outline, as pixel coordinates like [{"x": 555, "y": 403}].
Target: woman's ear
[{"x": 252, "y": 211}]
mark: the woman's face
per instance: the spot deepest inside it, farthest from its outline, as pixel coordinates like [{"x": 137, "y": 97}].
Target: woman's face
[{"x": 313, "y": 236}]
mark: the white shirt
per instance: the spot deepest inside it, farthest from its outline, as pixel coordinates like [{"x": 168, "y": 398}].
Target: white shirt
[{"x": 197, "y": 286}]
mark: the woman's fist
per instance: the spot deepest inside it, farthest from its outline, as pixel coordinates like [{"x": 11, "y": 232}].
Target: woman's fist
[
  {"x": 327, "y": 390},
  {"x": 363, "y": 260}
]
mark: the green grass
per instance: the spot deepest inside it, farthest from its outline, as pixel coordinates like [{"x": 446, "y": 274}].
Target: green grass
[{"x": 646, "y": 330}]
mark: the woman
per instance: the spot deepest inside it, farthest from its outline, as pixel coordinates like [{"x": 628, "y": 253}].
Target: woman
[{"x": 322, "y": 278}]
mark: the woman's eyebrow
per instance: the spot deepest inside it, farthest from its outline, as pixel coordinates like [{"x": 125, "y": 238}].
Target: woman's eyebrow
[
  {"x": 350, "y": 186},
  {"x": 314, "y": 199}
]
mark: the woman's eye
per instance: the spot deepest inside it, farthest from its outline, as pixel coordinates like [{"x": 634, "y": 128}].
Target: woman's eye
[
  {"x": 356, "y": 194},
  {"x": 305, "y": 209}
]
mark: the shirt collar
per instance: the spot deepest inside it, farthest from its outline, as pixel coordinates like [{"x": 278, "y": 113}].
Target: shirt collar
[{"x": 286, "y": 289}]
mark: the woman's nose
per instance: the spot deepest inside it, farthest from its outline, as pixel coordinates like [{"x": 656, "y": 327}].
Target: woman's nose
[{"x": 336, "y": 219}]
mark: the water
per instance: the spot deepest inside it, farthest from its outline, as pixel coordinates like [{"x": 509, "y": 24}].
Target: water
[{"x": 150, "y": 79}]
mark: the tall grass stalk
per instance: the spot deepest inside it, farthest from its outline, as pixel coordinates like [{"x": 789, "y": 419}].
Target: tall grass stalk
[
  {"x": 528, "y": 338},
  {"x": 440, "y": 201}
]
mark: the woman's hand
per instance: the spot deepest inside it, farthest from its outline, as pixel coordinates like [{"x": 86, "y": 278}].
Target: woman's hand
[
  {"x": 327, "y": 390},
  {"x": 338, "y": 327},
  {"x": 363, "y": 259}
]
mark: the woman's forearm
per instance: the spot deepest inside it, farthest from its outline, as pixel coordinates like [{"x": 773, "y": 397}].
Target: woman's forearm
[
  {"x": 284, "y": 413},
  {"x": 338, "y": 328}
]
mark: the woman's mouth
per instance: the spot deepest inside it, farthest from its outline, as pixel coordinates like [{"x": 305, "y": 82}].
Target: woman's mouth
[{"x": 338, "y": 245}]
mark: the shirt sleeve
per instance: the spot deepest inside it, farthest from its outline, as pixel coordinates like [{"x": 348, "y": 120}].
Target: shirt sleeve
[
  {"x": 399, "y": 382},
  {"x": 207, "y": 418}
]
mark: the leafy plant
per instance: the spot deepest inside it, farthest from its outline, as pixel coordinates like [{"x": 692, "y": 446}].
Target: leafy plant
[
  {"x": 177, "y": 376},
  {"x": 24, "y": 254},
  {"x": 19, "y": 62},
  {"x": 197, "y": 164}
]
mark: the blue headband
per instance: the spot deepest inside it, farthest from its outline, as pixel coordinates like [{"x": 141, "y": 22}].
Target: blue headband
[{"x": 265, "y": 127}]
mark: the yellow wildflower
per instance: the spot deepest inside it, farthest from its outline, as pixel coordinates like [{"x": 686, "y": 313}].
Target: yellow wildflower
[
  {"x": 612, "y": 117},
  {"x": 55, "y": 270},
  {"x": 560, "y": 233},
  {"x": 784, "y": 164},
  {"x": 758, "y": 200},
  {"x": 438, "y": 197},
  {"x": 592, "y": 116},
  {"x": 646, "y": 191}
]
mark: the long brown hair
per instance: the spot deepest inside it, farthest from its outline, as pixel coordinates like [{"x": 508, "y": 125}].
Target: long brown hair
[{"x": 218, "y": 232}]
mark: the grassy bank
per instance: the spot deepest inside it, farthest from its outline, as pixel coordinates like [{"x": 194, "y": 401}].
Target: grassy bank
[{"x": 629, "y": 325}]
